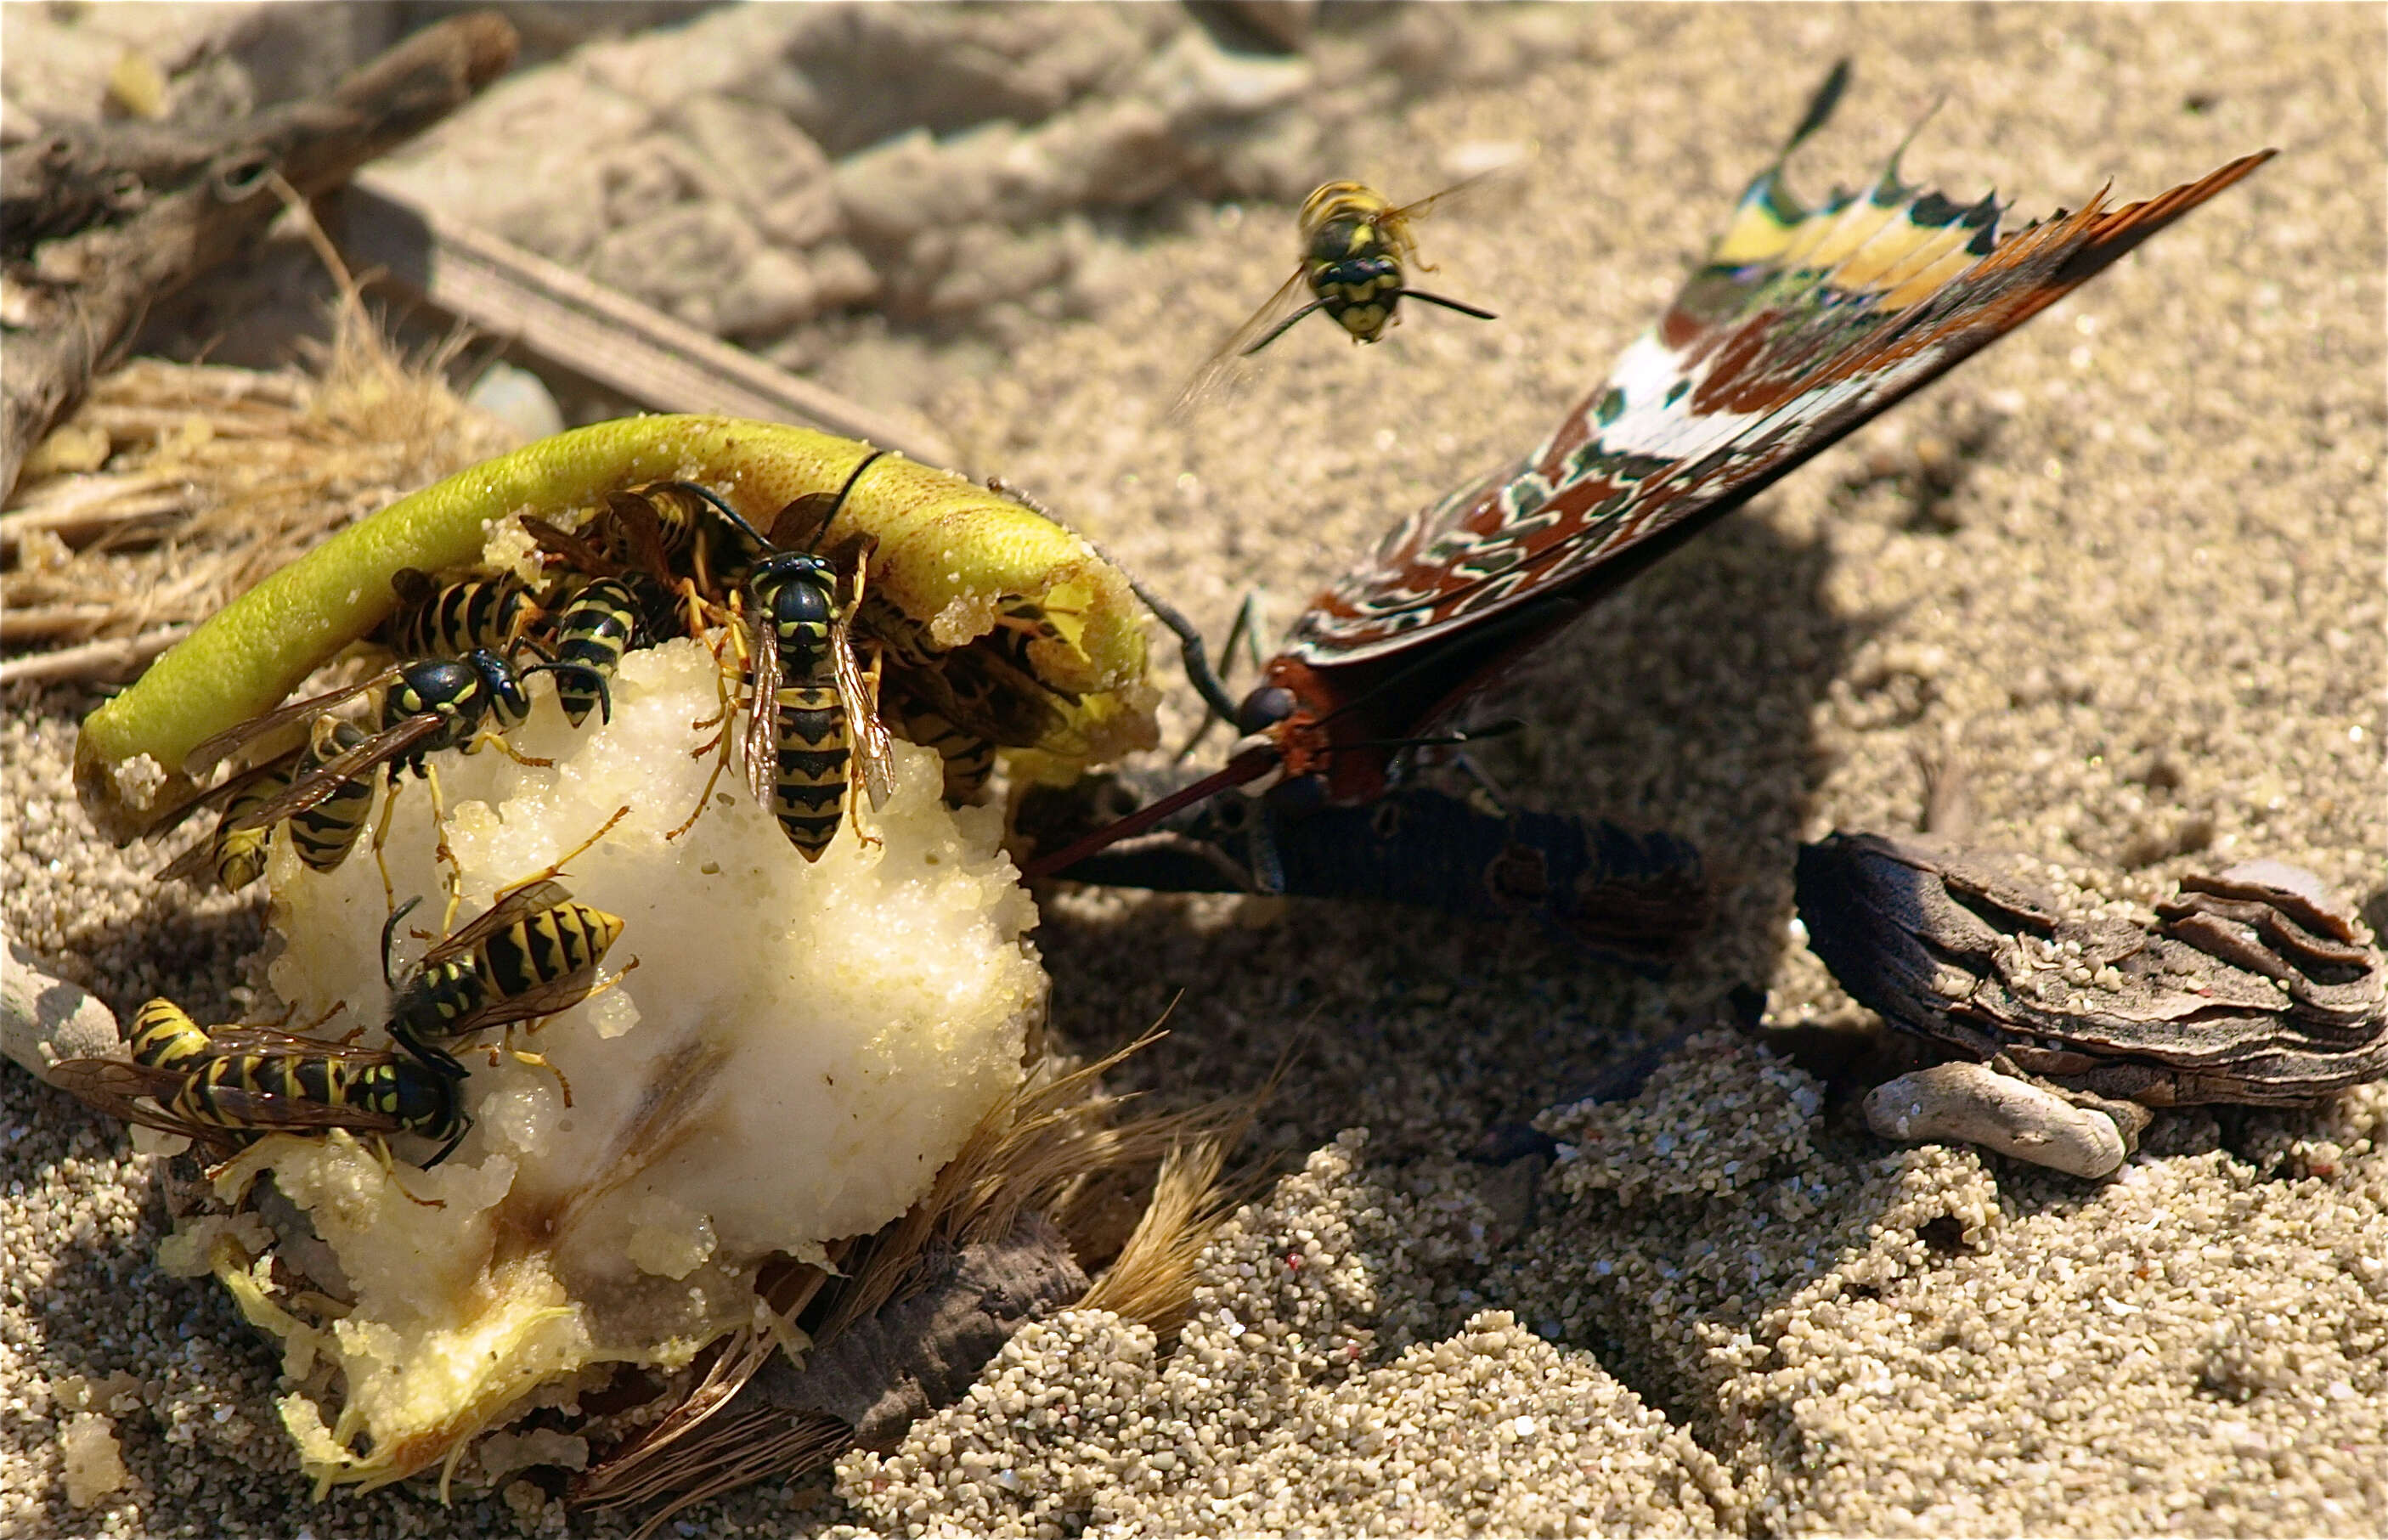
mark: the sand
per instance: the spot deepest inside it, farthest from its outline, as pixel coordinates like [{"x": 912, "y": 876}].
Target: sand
[{"x": 2145, "y": 615}]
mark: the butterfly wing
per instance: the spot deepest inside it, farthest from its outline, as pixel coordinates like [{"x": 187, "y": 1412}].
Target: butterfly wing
[{"x": 1802, "y": 324}]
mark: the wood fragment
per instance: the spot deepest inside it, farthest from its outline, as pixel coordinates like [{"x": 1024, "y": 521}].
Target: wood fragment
[
  {"x": 135, "y": 239},
  {"x": 595, "y": 331}
]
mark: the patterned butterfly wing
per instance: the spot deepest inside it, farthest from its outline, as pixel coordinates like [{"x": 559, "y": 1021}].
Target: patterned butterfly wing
[{"x": 1801, "y": 325}]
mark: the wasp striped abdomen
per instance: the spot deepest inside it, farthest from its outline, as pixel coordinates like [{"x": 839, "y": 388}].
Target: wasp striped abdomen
[
  {"x": 809, "y": 793},
  {"x": 163, "y": 1035},
  {"x": 240, "y": 852},
  {"x": 969, "y": 759},
  {"x": 324, "y": 834},
  {"x": 604, "y": 619},
  {"x": 796, "y": 595},
  {"x": 458, "y": 618}
]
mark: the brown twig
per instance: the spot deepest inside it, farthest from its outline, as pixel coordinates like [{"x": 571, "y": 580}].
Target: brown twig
[{"x": 184, "y": 209}]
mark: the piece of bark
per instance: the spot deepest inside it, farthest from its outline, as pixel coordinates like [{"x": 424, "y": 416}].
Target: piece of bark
[
  {"x": 2254, "y": 987},
  {"x": 151, "y": 208}
]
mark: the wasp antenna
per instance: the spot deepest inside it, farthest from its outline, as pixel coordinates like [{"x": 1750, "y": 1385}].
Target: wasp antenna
[
  {"x": 390, "y": 935},
  {"x": 1423, "y": 297},
  {"x": 1279, "y": 329},
  {"x": 843, "y": 492}
]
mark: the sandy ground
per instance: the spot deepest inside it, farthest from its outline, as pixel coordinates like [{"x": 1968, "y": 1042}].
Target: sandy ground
[{"x": 2147, "y": 618}]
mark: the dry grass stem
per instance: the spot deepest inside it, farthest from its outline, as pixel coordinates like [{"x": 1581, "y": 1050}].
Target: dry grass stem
[{"x": 176, "y": 486}]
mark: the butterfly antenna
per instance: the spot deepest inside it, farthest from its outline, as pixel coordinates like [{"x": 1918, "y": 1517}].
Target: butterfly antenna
[{"x": 1250, "y": 765}]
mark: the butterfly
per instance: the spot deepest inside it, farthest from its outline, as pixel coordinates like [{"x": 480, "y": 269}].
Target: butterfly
[{"x": 1803, "y": 324}]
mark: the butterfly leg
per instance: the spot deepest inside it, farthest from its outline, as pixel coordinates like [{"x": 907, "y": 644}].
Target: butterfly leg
[
  {"x": 1245, "y": 633},
  {"x": 1488, "y": 788}
]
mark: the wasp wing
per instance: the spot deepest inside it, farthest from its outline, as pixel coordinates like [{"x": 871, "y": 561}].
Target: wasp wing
[
  {"x": 338, "y": 770},
  {"x": 872, "y": 745},
  {"x": 209, "y": 754},
  {"x": 1466, "y": 191},
  {"x": 1233, "y": 364},
  {"x": 107, "y": 1083},
  {"x": 135, "y": 1093},
  {"x": 641, "y": 530},
  {"x": 246, "y": 1107},
  {"x": 197, "y": 860},
  {"x": 802, "y": 520},
  {"x": 576, "y": 552},
  {"x": 510, "y": 907},
  {"x": 760, "y": 747},
  {"x": 560, "y": 993}
]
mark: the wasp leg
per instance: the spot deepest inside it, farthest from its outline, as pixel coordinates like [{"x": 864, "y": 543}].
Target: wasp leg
[
  {"x": 555, "y": 868},
  {"x": 390, "y": 1165},
  {"x": 536, "y": 1061},
  {"x": 381, "y": 860},
  {"x": 530, "y": 761},
  {"x": 724, "y": 740}
]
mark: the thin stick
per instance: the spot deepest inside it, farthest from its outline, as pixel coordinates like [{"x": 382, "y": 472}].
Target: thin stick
[{"x": 93, "y": 659}]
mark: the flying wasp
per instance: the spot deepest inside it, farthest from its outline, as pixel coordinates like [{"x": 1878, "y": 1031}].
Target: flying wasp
[
  {"x": 534, "y": 952},
  {"x": 221, "y": 1087},
  {"x": 1355, "y": 245}
]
